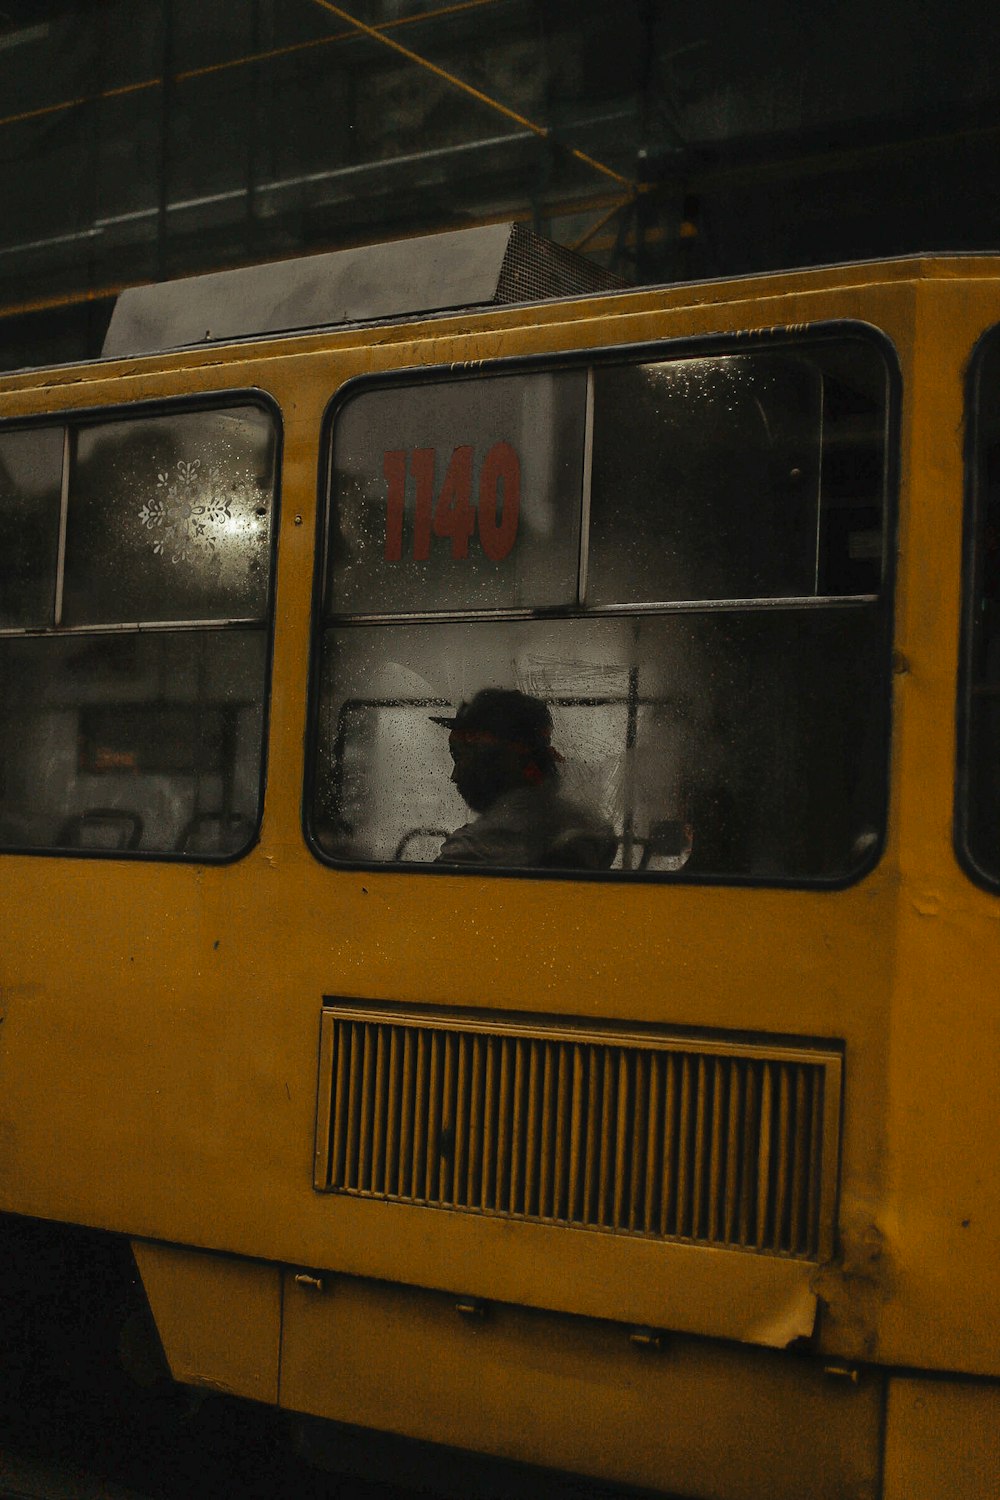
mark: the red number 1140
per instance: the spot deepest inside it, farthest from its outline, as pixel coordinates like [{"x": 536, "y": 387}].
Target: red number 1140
[{"x": 451, "y": 513}]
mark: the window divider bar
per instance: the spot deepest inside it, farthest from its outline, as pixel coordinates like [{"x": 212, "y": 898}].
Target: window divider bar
[
  {"x": 606, "y": 611},
  {"x": 588, "y": 470},
  {"x": 819, "y": 490},
  {"x": 63, "y": 514},
  {"x": 135, "y": 627}
]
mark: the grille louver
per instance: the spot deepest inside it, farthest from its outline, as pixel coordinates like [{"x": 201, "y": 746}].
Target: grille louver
[{"x": 710, "y": 1143}]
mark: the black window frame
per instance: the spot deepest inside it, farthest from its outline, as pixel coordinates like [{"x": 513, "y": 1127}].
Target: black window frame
[
  {"x": 971, "y": 557},
  {"x": 76, "y": 417},
  {"x": 737, "y": 342}
]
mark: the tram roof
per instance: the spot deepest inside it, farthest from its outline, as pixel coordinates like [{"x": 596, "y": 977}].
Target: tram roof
[
  {"x": 432, "y": 275},
  {"x": 494, "y": 265}
]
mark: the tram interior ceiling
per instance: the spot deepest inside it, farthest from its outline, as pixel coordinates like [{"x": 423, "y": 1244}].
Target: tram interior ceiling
[{"x": 145, "y": 141}]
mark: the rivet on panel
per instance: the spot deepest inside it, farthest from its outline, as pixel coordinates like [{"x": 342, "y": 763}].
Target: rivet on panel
[
  {"x": 646, "y": 1338},
  {"x": 843, "y": 1372},
  {"x": 471, "y": 1307}
]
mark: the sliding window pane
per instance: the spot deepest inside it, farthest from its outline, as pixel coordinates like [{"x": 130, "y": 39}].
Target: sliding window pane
[
  {"x": 459, "y": 494},
  {"x": 739, "y": 476},
  {"x": 30, "y": 483},
  {"x": 132, "y": 742},
  {"x": 170, "y": 518},
  {"x": 718, "y": 744}
]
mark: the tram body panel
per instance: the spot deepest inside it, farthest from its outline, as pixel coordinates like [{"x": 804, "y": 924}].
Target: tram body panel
[
  {"x": 940, "y": 1213},
  {"x": 161, "y": 1037}
]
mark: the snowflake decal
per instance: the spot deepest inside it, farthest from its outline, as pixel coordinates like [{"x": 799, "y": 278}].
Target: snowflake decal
[{"x": 185, "y": 514}]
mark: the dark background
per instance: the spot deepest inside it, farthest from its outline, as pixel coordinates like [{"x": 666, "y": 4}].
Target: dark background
[{"x": 148, "y": 139}]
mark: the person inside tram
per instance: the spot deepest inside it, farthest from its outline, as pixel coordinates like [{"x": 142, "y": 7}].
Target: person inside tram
[{"x": 507, "y": 772}]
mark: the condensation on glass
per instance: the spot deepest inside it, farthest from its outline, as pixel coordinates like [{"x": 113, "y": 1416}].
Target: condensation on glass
[
  {"x": 978, "y": 797},
  {"x": 133, "y": 632},
  {"x": 696, "y": 601},
  {"x": 722, "y": 507},
  {"x": 169, "y": 519},
  {"x": 476, "y": 504},
  {"x": 30, "y": 481}
]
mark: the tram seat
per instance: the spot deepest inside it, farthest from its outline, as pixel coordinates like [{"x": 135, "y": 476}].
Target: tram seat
[
  {"x": 668, "y": 839},
  {"x": 577, "y": 851},
  {"x": 440, "y": 834},
  {"x": 102, "y": 828},
  {"x": 215, "y": 833},
  {"x": 582, "y": 849}
]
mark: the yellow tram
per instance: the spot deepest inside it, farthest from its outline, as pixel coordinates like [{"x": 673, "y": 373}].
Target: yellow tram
[{"x": 632, "y": 1112}]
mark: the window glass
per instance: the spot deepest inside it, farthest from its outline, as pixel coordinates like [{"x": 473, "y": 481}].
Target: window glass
[
  {"x": 148, "y": 737},
  {"x": 148, "y": 741},
  {"x": 978, "y": 811},
  {"x": 170, "y": 518},
  {"x": 705, "y": 480},
  {"x": 699, "y": 742},
  {"x": 30, "y": 485},
  {"x": 718, "y": 478},
  {"x": 710, "y": 701},
  {"x": 458, "y": 495}
]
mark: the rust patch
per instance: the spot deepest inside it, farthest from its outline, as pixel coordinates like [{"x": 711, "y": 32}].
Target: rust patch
[{"x": 852, "y": 1289}]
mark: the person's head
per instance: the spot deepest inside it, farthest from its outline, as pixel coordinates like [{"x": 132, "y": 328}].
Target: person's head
[{"x": 500, "y": 740}]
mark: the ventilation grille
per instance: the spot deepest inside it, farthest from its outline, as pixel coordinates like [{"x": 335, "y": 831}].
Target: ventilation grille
[
  {"x": 534, "y": 267},
  {"x": 712, "y": 1144}
]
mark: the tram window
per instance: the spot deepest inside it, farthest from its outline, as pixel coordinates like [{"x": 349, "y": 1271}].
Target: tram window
[
  {"x": 169, "y": 519},
  {"x": 159, "y": 725},
  {"x": 712, "y": 681},
  {"x": 722, "y": 507},
  {"x": 30, "y": 480},
  {"x": 121, "y": 732},
  {"x": 978, "y": 798},
  {"x": 458, "y": 495}
]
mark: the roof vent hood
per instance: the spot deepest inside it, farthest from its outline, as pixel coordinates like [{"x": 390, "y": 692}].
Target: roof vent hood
[{"x": 501, "y": 263}]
